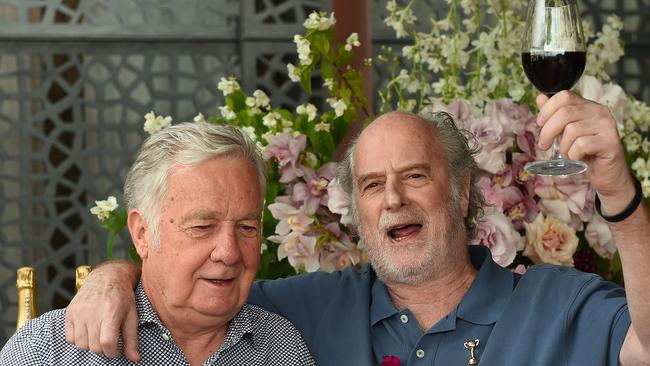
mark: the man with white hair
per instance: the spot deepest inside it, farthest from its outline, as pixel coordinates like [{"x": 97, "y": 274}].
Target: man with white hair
[
  {"x": 427, "y": 297},
  {"x": 195, "y": 198}
]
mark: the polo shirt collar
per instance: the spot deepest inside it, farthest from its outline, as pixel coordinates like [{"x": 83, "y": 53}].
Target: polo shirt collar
[{"x": 482, "y": 304}]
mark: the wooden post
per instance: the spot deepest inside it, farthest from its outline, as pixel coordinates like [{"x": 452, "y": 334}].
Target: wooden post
[{"x": 354, "y": 16}]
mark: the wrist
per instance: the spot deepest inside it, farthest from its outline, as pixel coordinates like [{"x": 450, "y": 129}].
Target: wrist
[{"x": 617, "y": 209}]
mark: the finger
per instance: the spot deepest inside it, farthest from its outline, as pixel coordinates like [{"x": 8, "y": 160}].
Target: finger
[
  {"x": 555, "y": 124},
  {"x": 130, "y": 334},
  {"x": 81, "y": 337},
  {"x": 551, "y": 106},
  {"x": 108, "y": 339},
  {"x": 541, "y": 100},
  {"x": 69, "y": 328},
  {"x": 93, "y": 339},
  {"x": 573, "y": 132}
]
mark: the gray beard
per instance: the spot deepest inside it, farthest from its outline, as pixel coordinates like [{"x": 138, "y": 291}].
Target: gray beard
[{"x": 433, "y": 257}]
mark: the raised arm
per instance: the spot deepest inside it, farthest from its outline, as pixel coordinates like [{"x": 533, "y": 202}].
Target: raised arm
[
  {"x": 103, "y": 308},
  {"x": 589, "y": 134}
]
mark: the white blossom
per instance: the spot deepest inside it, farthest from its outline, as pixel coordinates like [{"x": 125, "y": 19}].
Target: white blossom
[
  {"x": 271, "y": 120},
  {"x": 261, "y": 99},
  {"x": 338, "y": 105},
  {"x": 250, "y": 131},
  {"x": 353, "y": 40},
  {"x": 320, "y": 21},
  {"x": 293, "y": 72},
  {"x": 304, "y": 49},
  {"x": 250, "y": 102},
  {"x": 199, "y": 118},
  {"x": 308, "y": 109},
  {"x": 322, "y": 126},
  {"x": 329, "y": 83},
  {"x": 227, "y": 113},
  {"x": 103, "y": 209},
  {"x": 153, "y": 123},
  {"x": 228, "y": 86}
]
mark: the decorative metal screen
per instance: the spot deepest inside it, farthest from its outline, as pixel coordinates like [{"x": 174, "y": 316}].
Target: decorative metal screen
[{"x": 77, "y": 76}]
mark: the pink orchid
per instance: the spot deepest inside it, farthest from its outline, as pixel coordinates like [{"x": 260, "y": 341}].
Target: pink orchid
[
  {"x": 459, "y": 109},
  {"x": 600, "y": 238},
  {"x": 575, "y": 193},
  {"x": 286, "y": 150},
  {"x": 509, "y": 114},
  {"x": 299, "y": 249},
  {"x": 339, "y": 202},
  {"x": 338, "y": 252},
  {"x": 611, "y": 95},
  {"x": 494, "y": 140},
  {"x": 499, "y": 197},
  {"x": 291, "y": 219},
  {"x": 496, "y": 232},
  {"x": 314, "y": 192}
]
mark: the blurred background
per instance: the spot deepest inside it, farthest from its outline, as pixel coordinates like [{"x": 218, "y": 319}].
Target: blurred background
[{"x": 77, "y": 77}]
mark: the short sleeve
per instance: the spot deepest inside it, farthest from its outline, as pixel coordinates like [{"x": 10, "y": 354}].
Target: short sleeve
[
  {"x": 20, "y": 349},
  {"x": 597, "y": 322}
]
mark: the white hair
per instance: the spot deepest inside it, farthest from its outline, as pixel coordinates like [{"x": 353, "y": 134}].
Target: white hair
[{"x": 187, "y": 144}]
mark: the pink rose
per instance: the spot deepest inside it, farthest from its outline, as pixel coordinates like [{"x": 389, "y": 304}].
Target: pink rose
[
  {"x": 549, "y": 240},
  {"x": 496, "y": 232}
]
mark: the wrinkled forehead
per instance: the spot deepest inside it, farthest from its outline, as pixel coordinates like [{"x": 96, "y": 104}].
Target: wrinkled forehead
[{"x": 397, "y": 139}]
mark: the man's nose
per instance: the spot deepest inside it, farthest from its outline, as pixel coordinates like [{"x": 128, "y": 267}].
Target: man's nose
[
  {"x": 226, "y": 246},
  {"x": 394, "y": 197}
]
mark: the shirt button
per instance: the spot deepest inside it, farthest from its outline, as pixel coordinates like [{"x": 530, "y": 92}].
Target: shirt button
[
  {"x": 164, "y": 336},
  {"x": 419, "y": 353},
  {"x": 404, "y": 318}
]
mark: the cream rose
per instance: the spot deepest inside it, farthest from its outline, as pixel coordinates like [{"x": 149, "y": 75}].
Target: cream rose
[{"x": 549, "y": 240}]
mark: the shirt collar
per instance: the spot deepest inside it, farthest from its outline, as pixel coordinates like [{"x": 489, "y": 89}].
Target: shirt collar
[
  {"x": 238, "y": 327},
  {"x": 483, "y": 302},
  {"x": 146, "y": 312}
]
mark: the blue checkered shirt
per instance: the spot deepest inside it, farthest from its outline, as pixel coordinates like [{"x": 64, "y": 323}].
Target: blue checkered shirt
[{"x": 254, "y": 337}]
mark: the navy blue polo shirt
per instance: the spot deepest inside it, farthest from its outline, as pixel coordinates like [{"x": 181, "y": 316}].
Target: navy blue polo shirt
[{"x": 550, "y": 316}]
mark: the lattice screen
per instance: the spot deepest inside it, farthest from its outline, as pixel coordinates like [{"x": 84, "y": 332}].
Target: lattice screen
[{"x": 77, "y": 76}]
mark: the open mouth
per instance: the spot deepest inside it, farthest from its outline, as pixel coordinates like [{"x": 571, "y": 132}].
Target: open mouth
[{"x": 403, "y": 232}]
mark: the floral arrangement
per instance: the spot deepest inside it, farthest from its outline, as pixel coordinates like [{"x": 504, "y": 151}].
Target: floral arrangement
[
  {"x": 463, "y": 66},
  {"x": 306, "y": 218},
  {"x": 473, "y": 71}
]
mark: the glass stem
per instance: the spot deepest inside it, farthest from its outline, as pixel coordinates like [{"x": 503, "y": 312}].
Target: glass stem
[{"x": 556, "y": 149}]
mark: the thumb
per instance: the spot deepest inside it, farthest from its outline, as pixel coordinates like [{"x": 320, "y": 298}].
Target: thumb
[{"x": 130, "y": 334}]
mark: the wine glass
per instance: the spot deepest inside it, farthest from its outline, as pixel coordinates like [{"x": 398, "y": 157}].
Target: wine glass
[{"x": 553, "y": 56}]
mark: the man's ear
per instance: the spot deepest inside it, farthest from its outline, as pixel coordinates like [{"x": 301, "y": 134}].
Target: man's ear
[
  {"x": 464, "y": 196},
  {"x": 140, "y": 233}
]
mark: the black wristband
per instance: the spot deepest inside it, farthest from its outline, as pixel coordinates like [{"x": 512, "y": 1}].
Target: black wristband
[{"x": 638, "y": 196}]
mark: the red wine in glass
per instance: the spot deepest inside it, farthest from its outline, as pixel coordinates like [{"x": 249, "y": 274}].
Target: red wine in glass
[
  {"x": 553, "y": 56},
  {"x": 551, "y": 73}
]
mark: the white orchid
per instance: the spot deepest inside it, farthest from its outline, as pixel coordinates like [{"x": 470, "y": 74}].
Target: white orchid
[
  {"x": 308, "y": 109},
  {"x": 103, "y": 209}
]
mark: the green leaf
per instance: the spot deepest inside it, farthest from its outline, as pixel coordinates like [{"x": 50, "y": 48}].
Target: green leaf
[
  {"x": 237, "y": 101},
  {"x": 323, "y": 143},
  {"x": 109, "y": 246},
  {"x": 327, "y": 70},
  {"x": 305, "y": 80}
]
